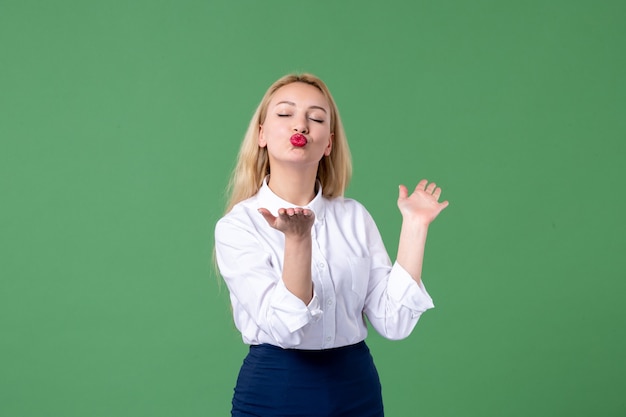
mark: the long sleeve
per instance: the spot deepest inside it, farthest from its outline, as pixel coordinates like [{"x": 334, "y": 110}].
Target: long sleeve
[
  {"x": 393, "y": 301},
  {"x": 261, "y": 302}
]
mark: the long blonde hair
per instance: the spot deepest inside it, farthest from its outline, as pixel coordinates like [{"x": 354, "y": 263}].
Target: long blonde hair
[{"x": 334, "y": 171}]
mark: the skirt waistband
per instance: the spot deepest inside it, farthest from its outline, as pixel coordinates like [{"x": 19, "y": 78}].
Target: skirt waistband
[{"x": 348, "y": 348}]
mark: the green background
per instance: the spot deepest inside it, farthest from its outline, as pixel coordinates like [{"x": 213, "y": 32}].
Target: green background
[{"x": 119, "y": 126}]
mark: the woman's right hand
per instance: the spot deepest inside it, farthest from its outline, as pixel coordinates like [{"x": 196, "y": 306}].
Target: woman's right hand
[{"x": 293, "y": 222}]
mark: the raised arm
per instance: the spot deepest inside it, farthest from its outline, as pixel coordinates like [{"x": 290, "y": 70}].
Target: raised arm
[{"x": 418, "y": 210}]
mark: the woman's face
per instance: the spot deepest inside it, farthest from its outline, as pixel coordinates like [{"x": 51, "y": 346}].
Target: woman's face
[{"x": 297, "y": 108}]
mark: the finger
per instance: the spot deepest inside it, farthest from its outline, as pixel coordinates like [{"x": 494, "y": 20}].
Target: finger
[
  {"x": 307, "y": 212},
  {"x": 289, "y": 212},
  {"x": 444, "y": 204},
  {"x": 437, "y": 193},
  {"x": 402, "y": 192},
  {"x": 283, "y": 214},
  {"x": 421, "y": 185},
  {"x": 269, "y": 217},
  {"x": 431, "y": 187}
]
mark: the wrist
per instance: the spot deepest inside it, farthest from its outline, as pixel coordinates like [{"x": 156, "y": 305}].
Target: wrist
[
  {"x": 298, "y": 239},
  {"x": 415, "y": 222}
]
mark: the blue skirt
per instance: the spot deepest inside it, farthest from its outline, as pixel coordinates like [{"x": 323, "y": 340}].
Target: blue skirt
[{"x": 340, "y": 382}]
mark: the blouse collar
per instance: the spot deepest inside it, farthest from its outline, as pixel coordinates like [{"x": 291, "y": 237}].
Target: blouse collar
[{"x": 272, "y": 202}]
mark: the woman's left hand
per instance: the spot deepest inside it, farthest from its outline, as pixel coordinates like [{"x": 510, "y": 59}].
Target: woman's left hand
[{"x": 423, "y": 204}]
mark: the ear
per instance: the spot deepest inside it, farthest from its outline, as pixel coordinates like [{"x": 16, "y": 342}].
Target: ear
[
  {"x": 330, "y": 144},
  {"x": 262, "y": 141}
]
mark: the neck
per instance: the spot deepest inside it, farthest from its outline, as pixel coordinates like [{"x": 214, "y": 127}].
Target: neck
[{"x": 294, "y": 186}]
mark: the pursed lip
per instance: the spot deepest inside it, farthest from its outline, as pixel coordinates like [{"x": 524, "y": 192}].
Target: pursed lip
[{"x": 298, "y": 140}]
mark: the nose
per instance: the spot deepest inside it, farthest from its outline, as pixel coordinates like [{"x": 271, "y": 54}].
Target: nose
[{"x": 300, "y": 126}]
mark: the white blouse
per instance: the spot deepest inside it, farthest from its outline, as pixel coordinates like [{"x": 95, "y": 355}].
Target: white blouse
[{"x": 351, "y": 270}]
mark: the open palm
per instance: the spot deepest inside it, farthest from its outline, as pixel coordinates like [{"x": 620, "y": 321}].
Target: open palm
[
  {"x": 423, "y": 204},
  {"x": 294, "y": 221}
]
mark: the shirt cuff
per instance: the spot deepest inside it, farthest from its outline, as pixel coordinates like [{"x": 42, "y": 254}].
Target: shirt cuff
[
  {"x": 314, "y": 307},
  {"x": 291, "y": 311},
  {"x": 403, "y": 289}
]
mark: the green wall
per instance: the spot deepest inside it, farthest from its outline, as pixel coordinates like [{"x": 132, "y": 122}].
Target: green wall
[{"x": 119, "y": 125}]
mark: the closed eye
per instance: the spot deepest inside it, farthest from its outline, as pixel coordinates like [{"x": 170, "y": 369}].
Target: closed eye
[{"x": 317, "y": 120}]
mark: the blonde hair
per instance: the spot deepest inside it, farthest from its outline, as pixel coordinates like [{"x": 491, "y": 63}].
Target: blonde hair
[{"x": 334, "y": 171}]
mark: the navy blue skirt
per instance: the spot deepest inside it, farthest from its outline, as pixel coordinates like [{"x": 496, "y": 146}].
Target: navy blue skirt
[{"x": 340, "y": 382}]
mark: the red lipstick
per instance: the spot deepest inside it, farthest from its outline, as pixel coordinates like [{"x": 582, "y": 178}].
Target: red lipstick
[{"x": 298, "y": 140}]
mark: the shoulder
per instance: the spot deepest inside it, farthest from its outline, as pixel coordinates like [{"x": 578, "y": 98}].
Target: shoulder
[
  {"x": 242, "y": 215},
  {"x": 344, "y": 202},
  {"x": 347, "y": 207}
]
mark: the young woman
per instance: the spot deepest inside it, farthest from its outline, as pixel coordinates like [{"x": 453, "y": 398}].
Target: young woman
[{"x": 304, "y": 265}]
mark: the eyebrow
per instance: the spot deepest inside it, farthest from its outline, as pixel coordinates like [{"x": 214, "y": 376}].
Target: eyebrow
[{"x": 310, "y": 107}]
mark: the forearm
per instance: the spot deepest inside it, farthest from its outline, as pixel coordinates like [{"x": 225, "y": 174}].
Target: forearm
[
  {"x": 411, "y": 247},
  {"x": 297, "y": 267}
]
